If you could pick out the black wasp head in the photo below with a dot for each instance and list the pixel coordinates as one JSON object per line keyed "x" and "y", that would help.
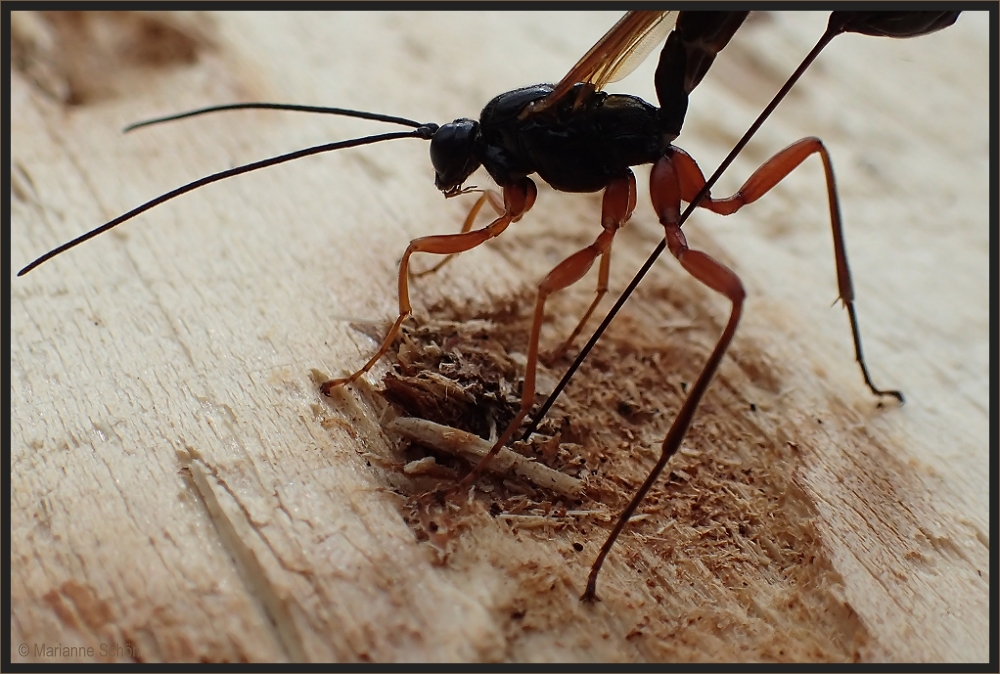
{"x": 453, "y": 154}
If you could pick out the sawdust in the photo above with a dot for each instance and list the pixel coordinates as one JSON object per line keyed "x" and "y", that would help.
{"x": 724, "y": 543}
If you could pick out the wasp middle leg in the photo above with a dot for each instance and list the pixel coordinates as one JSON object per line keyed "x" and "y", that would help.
{"x": 619, "y": 202}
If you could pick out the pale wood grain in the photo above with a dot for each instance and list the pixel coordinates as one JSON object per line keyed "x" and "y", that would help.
{"x": 178, "y": 484}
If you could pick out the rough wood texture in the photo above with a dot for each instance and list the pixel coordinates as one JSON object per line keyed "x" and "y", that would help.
{"x": 179, "y": 486}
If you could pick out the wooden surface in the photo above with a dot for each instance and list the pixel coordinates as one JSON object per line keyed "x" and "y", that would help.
{"x": 180, "y": 488}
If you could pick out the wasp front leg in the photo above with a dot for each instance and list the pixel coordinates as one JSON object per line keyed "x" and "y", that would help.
{"x": 495, "y": 200}
{"x": 517, "y": 200}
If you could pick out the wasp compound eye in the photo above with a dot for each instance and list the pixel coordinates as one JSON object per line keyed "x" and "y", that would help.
{"x": 453, "y": 153}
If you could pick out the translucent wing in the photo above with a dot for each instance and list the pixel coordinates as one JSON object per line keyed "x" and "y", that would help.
{"x": 614, "y": 56}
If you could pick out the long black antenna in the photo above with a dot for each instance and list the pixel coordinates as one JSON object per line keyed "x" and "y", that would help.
{"x": 340, "y": 112}
{"x": 422, "y": 131}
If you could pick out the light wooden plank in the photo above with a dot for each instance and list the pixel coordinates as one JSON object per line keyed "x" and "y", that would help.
{"x": 178, "y": 484}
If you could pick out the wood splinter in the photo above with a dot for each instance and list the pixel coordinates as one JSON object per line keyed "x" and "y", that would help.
{"x": 473, "y": 448}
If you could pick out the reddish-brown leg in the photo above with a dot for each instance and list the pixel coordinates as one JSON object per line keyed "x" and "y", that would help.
{"x": 763, "y": 179}
{"x": 517, "y": 199}
{"x": 619, "y": 200}
{"x": 602, "y": 285}
{"x": 495, "y": 200}
{"x": 676, "y": 177}
{"x": 666, "y": 187}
